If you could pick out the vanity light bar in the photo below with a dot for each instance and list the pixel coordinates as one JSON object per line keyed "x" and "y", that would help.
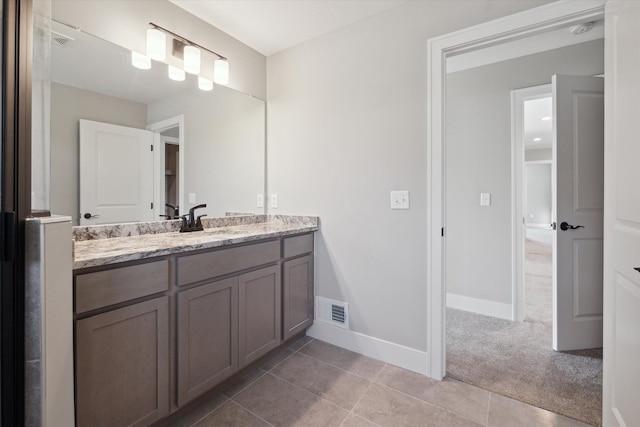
{"x": 156, "y": 49}
{"x": 186, "y": 41}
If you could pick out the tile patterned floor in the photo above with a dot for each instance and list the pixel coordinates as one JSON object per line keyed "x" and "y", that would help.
{"x": 312, "y": 383}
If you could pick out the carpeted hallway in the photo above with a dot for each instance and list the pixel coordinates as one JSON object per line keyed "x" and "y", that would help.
{"x": 516, "y": 359}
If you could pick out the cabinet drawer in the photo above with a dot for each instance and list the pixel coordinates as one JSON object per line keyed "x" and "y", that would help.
{"x": 104, "y": 288}
{"x": 298, "y": 245}
{"x": 193, "y": 268}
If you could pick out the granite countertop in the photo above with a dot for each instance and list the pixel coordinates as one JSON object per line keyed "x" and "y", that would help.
{"x": 104, "y": 245}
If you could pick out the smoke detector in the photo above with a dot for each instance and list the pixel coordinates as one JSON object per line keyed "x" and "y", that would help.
{"x": 581, "y": 29}
{"x": 61, "y": 40}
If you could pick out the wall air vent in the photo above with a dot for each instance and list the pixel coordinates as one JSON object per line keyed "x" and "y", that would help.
{"x": 333, "y": 312}
{"x": 61, "y": 40}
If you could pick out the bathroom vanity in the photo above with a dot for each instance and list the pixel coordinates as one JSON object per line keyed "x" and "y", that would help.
{"x": 162, "y": 317}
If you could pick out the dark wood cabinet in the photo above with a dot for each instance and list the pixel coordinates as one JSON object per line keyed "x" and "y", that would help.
{"x": 260, "y": 308}
{"x": 297, "y": 295}
{"x": 207, "y": 337}
{"x": 122, "y": 366}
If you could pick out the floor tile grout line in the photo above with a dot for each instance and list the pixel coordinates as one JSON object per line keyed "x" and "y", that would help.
{"x": 289, "y": 356}
{"x": 371, "y": 382}
{"x": 211, "y": 412}
{"x": 307, "y": 391}
{"x": 486, "y": 423}
{"x": 265, "y": 372}
{"x": 338, "y": 367}
{"x": 428, "y": 403}
{"x": 251, "y": 412}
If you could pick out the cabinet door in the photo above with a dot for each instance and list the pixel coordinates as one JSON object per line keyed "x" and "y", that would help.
{"x": 207, "y": 337}
{"x": 297, "y": 295}
{"x": 260, "y": 308}
{"x": 122, "y": 366}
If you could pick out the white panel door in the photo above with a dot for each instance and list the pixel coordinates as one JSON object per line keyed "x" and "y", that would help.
{"x": 621, "y": 377}
{"x": 116, "y": 174}
{"x": 579, "y": 177}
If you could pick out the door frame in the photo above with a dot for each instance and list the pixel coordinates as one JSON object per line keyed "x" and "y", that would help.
{"x": 544, "y": 18}
{"x": 15, "y": 201}
{"x": 518, "y": 193}
{"x": 158, "y": 162}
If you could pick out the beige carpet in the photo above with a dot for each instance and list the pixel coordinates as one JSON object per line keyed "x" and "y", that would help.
{"x": 516, "y": 360}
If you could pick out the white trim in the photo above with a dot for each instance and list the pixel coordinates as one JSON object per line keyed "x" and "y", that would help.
{"x": 547, "y": 17}
{"x": 518, "y": 192}
{"x": 535, "y": 225}
{"x": 158, "y": 162}
{"x": 480, "y": 306}
{"x": 395, "y": 354}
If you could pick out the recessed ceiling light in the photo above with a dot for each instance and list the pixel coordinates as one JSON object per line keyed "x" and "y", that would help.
{"x": 546, "y": 118}
{"x": 537, "y": 139}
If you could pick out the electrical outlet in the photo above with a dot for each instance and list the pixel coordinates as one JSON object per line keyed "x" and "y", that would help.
{"x": 485, "y": 199}
{"x": 399, "y": 200}
{"x": 192, "y": 197}
{"x": 274, "y": 201}
{"x": 261, "y": 200}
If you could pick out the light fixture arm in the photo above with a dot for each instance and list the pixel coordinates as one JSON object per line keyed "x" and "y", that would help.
{"x": 186, "y": 41}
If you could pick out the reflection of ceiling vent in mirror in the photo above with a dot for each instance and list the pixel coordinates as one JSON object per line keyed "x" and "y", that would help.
{"x": 61, "y": 40}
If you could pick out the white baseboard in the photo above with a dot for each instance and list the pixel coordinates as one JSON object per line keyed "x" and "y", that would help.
{"x": 480, "y": 306}
{"x": 395, "y": 354}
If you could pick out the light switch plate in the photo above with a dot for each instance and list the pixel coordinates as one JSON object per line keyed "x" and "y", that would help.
{"x": 274, "y": 201}
{"x": 192, "y": 197}
{"x": 399, "y": 200}
{"x": 261, "y": 200}
{"x": 485, "y": 199}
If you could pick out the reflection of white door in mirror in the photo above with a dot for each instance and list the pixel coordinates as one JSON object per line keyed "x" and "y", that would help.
{"x": 116, "y": 174}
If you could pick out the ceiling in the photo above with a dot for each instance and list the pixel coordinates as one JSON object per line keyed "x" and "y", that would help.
{"x": 275, "y": 25}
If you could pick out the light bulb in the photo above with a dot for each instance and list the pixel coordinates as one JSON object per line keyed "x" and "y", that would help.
{"x": 176, "y": 73}
{"x": 138, "y": 60}
{"x": 192, "y": 59}
{"x": 221, "y": 72}
{"x": 156, "y": 44}
{"x": 204, "y": 84}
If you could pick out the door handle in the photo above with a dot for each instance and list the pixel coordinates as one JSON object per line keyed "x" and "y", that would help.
{"x": 565, "y": 226}
{"x": 89, "y": 216}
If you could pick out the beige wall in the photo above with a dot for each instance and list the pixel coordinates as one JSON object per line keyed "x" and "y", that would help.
{"x": 68, "y": 105}
{"x": 347, "y": 124}
{"x": 125, "y": 23}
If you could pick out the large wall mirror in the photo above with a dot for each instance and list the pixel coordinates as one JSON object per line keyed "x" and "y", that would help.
{"x": 208, "y": 146}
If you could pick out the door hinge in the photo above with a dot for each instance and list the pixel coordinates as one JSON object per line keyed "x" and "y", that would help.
{"x": 442, "y": 232}
{"x": 151, "y": 205}
{"x": 8, "y": 232}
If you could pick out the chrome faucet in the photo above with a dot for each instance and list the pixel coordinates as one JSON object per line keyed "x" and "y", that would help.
{"x": 191, "y": 223}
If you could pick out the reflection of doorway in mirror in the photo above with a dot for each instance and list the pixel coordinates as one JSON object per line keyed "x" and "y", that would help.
{"x": 168, "y": 167}
{"x": 172, "y": 167}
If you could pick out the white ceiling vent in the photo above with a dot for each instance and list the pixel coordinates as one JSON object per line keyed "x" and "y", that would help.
{"x": 61, "y": 40}
{"x": 332, "y": 312}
